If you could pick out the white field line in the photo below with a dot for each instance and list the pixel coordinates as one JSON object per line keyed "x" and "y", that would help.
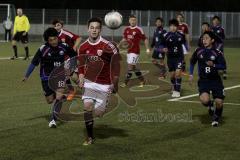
{"x": 185, "y": 101}
{"x": 194, "y": 95}
{"x": 8, "y": 58}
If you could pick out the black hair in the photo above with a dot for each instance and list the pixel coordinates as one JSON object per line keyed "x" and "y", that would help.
{"x": 211, "y": 34}
{"x": 206, "y": 23}
{"x": 216, "y": 17}
{"x": 50, "y": 32}
{"x": 55, "y": 21}
{"x": 173, "y": 22}
{"x": 132, "y": 16}
{"x": 95, "y": 19}
{"x": 180, "y": 14}
{"x": 160, "y": 19}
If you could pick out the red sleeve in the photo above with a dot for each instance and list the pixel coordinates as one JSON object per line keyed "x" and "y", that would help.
{"x": 81, "y": 60}
{"x": 186, "y": 31}
{"x": 125, "y": 33}
{"x": 142, "y": 34}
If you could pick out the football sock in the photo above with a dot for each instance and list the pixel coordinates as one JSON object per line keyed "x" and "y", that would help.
{"x": 139, "y": 75}
{"x": 178, "y": 84}
{"x": 88, "y": 118}
{"x": 15, "y": 51}
{"x": 173, "y": 81}
{"x": 128, "y": 76}
{"x": 56, "y": 109}
{"x": 27, "y": 51}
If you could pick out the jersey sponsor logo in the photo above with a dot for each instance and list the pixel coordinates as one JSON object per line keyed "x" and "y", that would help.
{"x": 61, "y": 53}
{"x": 213, "y": 58}
{"x": 99, "y": 52}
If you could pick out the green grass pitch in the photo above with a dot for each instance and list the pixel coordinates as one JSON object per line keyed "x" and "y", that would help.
{"x": 24, "y": 132}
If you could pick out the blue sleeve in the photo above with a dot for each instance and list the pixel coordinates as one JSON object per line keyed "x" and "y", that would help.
{"x": 30, "y": 69}
{"x": 191, "y": 69}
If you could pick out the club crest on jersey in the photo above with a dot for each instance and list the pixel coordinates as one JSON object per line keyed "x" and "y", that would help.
{"x": 49, "y": 54}
{"x": 87, "y": 52}
{"x": 201, "y": 56}
{"x": 99, "y": 52}
{"x": 61, "y": 53}
{"x": 134, "y": 33}
{"x": 212, "y": 57}
{"x": 179, "y": 39}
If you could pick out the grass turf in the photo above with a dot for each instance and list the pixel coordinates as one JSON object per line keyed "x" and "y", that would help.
{"x": 24, "y": 133}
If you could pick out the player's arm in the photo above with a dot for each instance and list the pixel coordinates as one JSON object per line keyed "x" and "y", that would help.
{"x": 220, "y": 62}
{"x": 187, "y": 38}
{"x": 81, "y": 67}
{"x": 115, "y": 69}
{"x": 27, "y": 26}
{"x": 193, "y": 61}
{"x": 35, "y": 62}
{"x": 14, "y": 26}
{"x": 146, "y": 43}
{"x": 77, "y": 43}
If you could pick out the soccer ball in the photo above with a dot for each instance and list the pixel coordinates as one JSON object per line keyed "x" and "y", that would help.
{"x": 113, "y": 20}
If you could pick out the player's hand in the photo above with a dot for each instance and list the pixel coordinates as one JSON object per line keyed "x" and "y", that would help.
{"x": 148, "y": 51}
{"x": 24, "y": 33}
{"x": 75, "y": 48}
{"x": 24, "y": 79}
{"x": 190, "y": 80}
{"x": 210, "y": 63}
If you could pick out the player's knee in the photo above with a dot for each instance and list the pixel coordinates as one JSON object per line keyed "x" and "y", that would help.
{"x": 178, "y": 73}
{"x": 204, "y": 100}
{"x": 219, "y": 103}
{"x": 88, "y": 105}
{"x": 50, "y": 99}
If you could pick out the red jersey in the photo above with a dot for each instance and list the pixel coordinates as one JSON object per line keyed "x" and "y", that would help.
{"x": 183, "y": 28}
{"x": 96, "y": 61}
{"x": 134, "y": 35}
{"x": 67, "y": 37}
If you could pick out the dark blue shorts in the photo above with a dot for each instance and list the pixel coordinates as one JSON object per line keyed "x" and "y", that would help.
{"x": 174, "y": 63}
{"x": 211, "y": 86}
{"x": 46, "y": 89}
{"x": 158, "y": 55}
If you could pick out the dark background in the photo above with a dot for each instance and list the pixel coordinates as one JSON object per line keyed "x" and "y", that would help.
{"x": 194, "y": 5}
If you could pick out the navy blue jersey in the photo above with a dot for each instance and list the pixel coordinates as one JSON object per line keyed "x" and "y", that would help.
{"x": 158, "y": 38}
{"x": 218, "y": 31}
{"x": 202, "y": 56}
{"x": 175, "y": 43}
{"x": 51, "y": 57}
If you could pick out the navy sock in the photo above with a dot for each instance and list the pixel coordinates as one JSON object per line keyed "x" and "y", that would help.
{"x": 173, "y": 81}
{"x": 178, "y": 84}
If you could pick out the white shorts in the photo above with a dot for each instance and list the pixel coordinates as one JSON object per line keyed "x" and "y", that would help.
{"x": 132, "y": 58}
{"x": 96, "y": 93}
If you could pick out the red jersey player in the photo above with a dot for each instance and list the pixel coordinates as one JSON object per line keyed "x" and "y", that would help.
{"x": 99, "y": 69}
{"x": 65, "y": 36}
{"x": 183, "y": 28}
{"x": 73, "y": 41}
{"x": 133, "y": 35}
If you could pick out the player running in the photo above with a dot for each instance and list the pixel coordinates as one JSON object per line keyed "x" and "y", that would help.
{"x": 73, "y": 41}
{"x": 51, "y": 55}
{"x": 184, "y": 29}
{"x": 218, "y": 30}
{"x": 210, "y": 61}
{"x": 174, "y": 46}
{"x": 133, "y": 35}
{"x": 20, "y": 33}
{"x": 157, "y": 45}
{"x": 99, "y": 69}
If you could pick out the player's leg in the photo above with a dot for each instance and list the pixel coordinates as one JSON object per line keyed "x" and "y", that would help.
{"x": 14, "y": 45}
{"x": 178, "y": 82}
{"x": 218, "y": 95}
{"x": 163, "y": 69}
{"x": 139, "y": 75}
{"x": 24, "y": 40}
{"x": 128, "y": 75}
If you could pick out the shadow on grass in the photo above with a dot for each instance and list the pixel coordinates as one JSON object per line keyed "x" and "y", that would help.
{"x": 206, "y": 119}
{"x": 106, "y": 131}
